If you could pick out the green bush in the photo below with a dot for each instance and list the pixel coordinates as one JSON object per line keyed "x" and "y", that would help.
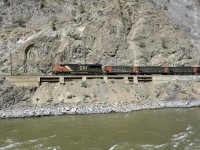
{"x": 21, "y": 22}
{"x": 142, "y": 44}
{"x": 70, "y": 96}
{"x": 84, "y": 84}
{"x": 86, "y": 96}
{"x": 165, "y": 7}
{"x": 82, "y": 9}
{"x": 164, "y": 43}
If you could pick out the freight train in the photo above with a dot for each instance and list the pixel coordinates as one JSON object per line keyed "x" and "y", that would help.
{"x": 98, "y": 69}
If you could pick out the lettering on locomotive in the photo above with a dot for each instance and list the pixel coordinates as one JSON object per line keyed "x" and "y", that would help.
{"x": 83, "y": 68}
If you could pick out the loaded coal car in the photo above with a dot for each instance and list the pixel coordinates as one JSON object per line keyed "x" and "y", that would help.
{"x": 184, "y": 70}
{"x": 64, "y": 69}
{"x": 148, "y": 70}
{"x": 118, "y": 70}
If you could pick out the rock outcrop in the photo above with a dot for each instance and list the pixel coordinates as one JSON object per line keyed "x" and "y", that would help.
{"x": 11, "y": 95}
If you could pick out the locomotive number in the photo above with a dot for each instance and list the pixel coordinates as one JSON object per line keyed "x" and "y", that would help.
{"x": 83, "y": 67}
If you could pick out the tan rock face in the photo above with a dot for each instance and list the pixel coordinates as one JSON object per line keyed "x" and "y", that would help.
{"x": 115, "y": 92}
{"x": 42, "y": 33}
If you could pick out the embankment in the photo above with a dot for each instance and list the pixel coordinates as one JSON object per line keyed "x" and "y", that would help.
{"x": 95, "y": 96}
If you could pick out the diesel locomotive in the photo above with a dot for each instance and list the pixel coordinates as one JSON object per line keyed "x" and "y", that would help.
{"x": 64, "y": 69}
{"x": 98, "y": 69}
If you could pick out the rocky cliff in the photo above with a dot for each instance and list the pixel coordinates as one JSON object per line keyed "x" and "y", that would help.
{"x": 36, "y": 34}
{"x": 40, "y": 33}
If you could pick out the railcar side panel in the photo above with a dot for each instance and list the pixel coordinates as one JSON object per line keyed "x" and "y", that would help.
{"x": 118, "y": 69}
{"x": 151, "y": 70}
{"x": 181, "y": 70}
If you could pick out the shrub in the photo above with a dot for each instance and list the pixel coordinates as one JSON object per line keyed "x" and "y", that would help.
{"x": 164, "y": 43}
{"x": 142, "y": 44}
{"x": 103, "y": 82}
{"x": 165, "y": 7}
{"x": 53, "y": 26}
{"x": 86, "y": 96}
{"x": 70, "y": 96}
{"x": 84, "y": 84}
{"x": 82, "y": 8}
{"x": 21, "y": 22}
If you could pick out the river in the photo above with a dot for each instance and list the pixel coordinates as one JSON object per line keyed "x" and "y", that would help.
{"x": 165, "y": 129}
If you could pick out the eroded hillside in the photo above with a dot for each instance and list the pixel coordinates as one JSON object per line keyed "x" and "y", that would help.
{"x": 39, "y": 33}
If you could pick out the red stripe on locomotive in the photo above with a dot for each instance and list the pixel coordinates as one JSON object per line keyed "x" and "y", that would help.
{"x": 59, "y": 68}
{"x": 108, "y": 68}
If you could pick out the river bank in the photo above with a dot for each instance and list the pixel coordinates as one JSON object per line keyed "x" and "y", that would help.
{"x": 95, "y": 97}
{"x": 90, "y": 108}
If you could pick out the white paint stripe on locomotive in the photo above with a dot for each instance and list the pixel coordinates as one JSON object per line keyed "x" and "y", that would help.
{"x": 68, "y": 68}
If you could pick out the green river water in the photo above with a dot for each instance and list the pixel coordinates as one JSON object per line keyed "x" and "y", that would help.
{"x": 167, "y": 129}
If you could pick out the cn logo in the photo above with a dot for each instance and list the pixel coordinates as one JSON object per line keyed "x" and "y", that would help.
{"x": 83, "y": 67}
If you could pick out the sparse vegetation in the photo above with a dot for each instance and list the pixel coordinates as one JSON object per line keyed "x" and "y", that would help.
{"x": 142, "y": 44}
{"x": 18, "y": 74}
{"x": 74, "y": 2}
{"x": 82, "y": 9}
{"x": 84, "y": 84}
{"x": 57, "y": 1}
{"x": 70, "y": 96}
{"x": 165, "y": 7}
{"x": 114, "y": 91}
{"x": 85, "y": 96}
{"x": 53, "y": 26}
{"x": 21, "y": 22}
{"x": 164, "y": 43}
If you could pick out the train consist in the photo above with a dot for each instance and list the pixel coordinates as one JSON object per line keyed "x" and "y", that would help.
{"x": 98, "y": 69}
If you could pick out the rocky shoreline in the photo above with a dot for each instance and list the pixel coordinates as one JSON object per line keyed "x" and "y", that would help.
{"x": 90, "y": 108}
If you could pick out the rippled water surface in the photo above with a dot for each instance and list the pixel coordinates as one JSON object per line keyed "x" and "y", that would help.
{"x": 145, "y": 130}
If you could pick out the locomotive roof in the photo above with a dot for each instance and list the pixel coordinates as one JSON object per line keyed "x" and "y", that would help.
{"x": 82, "y": 64}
